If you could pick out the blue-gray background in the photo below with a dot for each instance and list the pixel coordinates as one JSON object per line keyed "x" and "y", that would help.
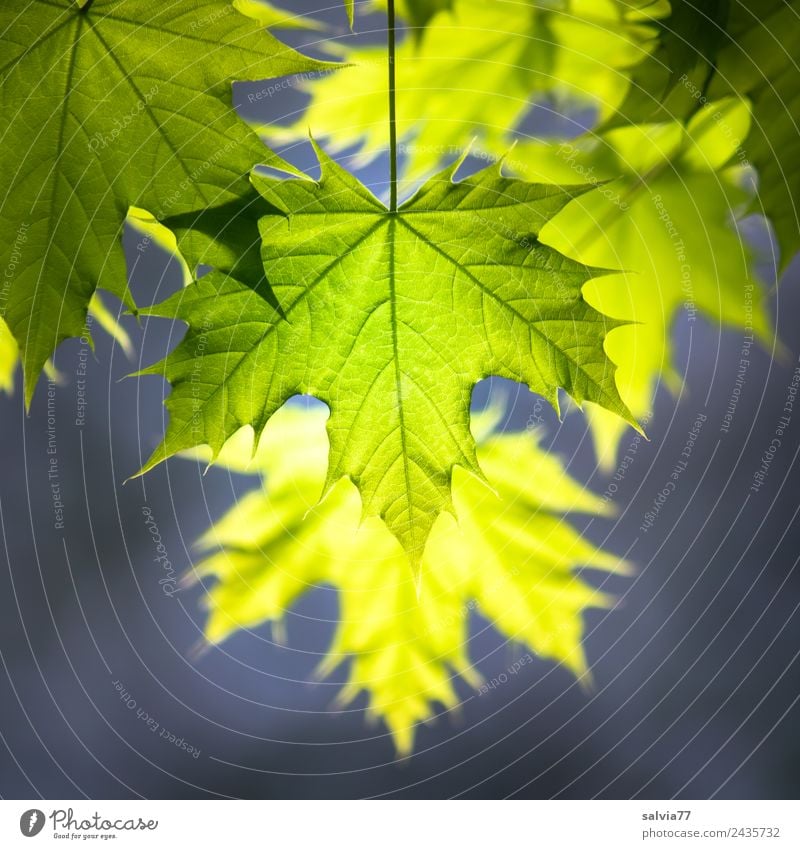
{"x": 696, "y": 670}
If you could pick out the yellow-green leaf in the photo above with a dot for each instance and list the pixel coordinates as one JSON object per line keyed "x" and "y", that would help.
{"x": 474, "y": 72}
{"x": 667, "y": 216}
{"x": 512, "y": 558}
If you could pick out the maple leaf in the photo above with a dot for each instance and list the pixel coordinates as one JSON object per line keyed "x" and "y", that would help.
{"x": 390, "y": 319}
{"x": 105, "y": 104}
{"x": 511, "y": 557}
{"x": 669, "y": 217}
{"x": 671, "y": 83}
{"x": 473, "y": 72}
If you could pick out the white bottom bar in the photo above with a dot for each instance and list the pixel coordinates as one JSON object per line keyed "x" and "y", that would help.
{"x": 401, "y": 824}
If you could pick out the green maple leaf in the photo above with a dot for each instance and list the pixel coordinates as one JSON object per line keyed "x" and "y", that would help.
{"x": 391, "y": 319}
{"x": 104, "y": 105}
{"x": 473, "y": 71}
{"x": 511, "y": 557}
{"x": 668, "y": 216}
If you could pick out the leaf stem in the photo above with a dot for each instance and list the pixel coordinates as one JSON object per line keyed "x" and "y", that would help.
{"x": 392, "y": 111}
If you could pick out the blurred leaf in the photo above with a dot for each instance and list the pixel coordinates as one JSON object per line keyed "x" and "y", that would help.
{"x": 669, "y": 216}
{"x": 474, "y": 72}
{"x": 391, "y": 319}
{"x": 746, "y": 49}
{"x": 418, "y": 13}
{"x": 694, "y": 33}
{"x": 511, "y": 557}
{"x": 669, "y": 84}
{"x": 9, "y": 357}
{"x": 109, "y": 322}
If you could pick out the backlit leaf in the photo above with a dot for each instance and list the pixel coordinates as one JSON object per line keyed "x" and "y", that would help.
{"x": 390, "y": 319}
{"x": 669, "y": 217}
{"x": 511, "y": 558}
{"x": 475, "y": 71}
{"x": 104, "y": 105}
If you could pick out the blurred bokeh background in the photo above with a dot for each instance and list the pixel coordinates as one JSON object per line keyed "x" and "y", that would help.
{"x": 695, "y": 669}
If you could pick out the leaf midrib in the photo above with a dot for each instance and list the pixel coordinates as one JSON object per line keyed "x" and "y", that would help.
{"x": 398, "y": 375}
